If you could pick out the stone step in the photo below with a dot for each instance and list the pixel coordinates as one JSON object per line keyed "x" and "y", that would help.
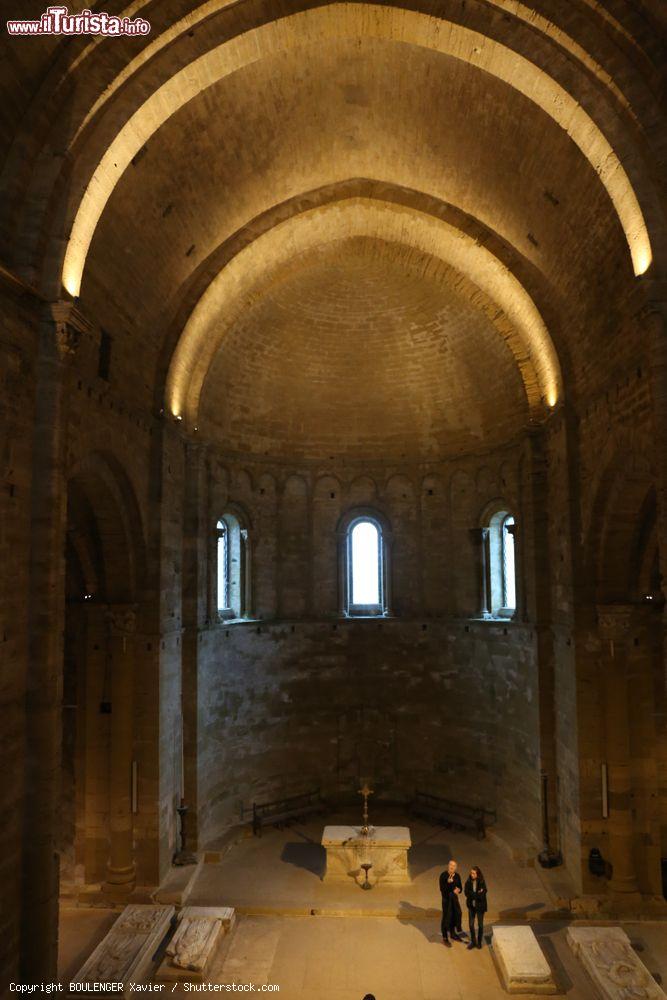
{"x": 177, "y": 885}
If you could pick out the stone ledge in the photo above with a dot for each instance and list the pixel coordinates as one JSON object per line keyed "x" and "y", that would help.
{"x": 177, "y": 885}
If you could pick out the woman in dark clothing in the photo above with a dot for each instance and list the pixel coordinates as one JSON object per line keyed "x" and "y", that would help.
{"x": 475, "y": 892}
{"x": 450, "y": 890}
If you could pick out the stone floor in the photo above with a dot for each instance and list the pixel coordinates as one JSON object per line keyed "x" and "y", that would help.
{"x": 81, "y": 930}
{"x": 339, "y": 958}
{"x": 332, "y": 942}
{"x": 280, "y": 873}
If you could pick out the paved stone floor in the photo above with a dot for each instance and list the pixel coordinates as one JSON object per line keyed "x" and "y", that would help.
{"x": 280, "y": 873}
{"x": 343, "y": 958}
{"x": 332, "y": 942}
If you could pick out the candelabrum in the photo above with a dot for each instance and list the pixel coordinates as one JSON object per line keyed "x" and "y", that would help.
{"x": 183, "y": 856}
{"x": 365, "y": 828}
{"x": 366, "y": 865}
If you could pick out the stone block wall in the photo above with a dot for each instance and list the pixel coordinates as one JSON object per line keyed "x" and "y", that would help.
{"x": 447, "y": 707}
{"x": 429, "y": 698}
{"x": 18, "y": 337}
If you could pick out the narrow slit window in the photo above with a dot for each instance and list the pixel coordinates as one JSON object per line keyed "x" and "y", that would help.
{"x": 365, "y": 568}
{"x": 365, "y": 564}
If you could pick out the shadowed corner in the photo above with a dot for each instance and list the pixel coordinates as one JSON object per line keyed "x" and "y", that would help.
{"x": 309, "y": 856}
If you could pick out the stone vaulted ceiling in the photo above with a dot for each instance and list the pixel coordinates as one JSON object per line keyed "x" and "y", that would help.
{"x": 402, "y": 225}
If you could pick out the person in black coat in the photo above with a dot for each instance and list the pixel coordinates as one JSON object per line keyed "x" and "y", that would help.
{"x": 450, "y": 890}
{"x": 475, "y": 893}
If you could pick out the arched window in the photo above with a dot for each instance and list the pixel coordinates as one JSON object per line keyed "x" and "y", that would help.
{"x": 500, "y": 569}
{"x": 508, "y": 563}
{"x": 232, "y": 568}
{"x": 365, "y": 567}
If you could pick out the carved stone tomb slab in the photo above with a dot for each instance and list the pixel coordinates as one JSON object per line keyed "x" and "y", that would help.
{"x": 193, "y": 946}
{"x": 614, "y": 967}
{"x": 126, "y": 953}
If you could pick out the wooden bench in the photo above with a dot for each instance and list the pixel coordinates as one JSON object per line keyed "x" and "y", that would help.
{"x": 452, "y": 814}
{"x": 283, "y": 810}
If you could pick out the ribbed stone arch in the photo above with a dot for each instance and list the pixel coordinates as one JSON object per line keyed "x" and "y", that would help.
{"x": 202, "y": 12}
{"x": 317, "y": 26}
{"x": 227, "y": 295}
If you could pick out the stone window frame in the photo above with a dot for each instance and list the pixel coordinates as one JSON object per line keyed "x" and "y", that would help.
{"x": 239, "y": 566}
{"x": 344, "y": 531}
{"x": 493, "y": 580}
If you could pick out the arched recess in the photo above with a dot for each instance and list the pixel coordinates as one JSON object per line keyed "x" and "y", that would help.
{"x": 229, "y": 293}
{"x": 316, "y": 26}
{"x": 622, "y": 542}
{"x": 630, "y": 681}
{"x": 104, "y": 577}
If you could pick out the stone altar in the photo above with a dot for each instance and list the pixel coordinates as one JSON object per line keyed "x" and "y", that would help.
{"x": 520, "y": 961}
{"x": 194, "y": 944}
{"x": 386, "y": 847}
{"x": 612, "y": 964}
{"x": 126, "y": 953}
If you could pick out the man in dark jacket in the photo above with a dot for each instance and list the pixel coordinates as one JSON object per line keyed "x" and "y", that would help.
{"x": 450, "y": 890}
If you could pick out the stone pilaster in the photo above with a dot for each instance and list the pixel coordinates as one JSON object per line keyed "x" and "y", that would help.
{"x": 534, "y": 602}
{"x": 614, "y": 628}
{"x": 121, "y": 624}
{"x": 58, "y": 341}
{"x": 654, "y": 317}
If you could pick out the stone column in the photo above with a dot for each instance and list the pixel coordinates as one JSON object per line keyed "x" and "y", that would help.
{"x": 121, "y": 626}
{"x": 480, "y": 541}
{"x": 654, "y": 317}
{"x": 642, "y": 654}
{"x": 58, "y": 341}
{"x": 534, "y": 603}
{"x": 199, "y": 547}
{"x": 613, "y": 626}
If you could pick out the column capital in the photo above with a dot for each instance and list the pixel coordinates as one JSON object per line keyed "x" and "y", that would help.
{"x": 652, "y": 304}
{"x": 69, "y": 325}
{"x": 614, "y": 620}
{"x": 121, "y": 620}
{"x": 477, "y": 535}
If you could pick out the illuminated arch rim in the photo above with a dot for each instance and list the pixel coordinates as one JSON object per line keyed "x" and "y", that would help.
{"x": 317, "y": 26}
{"x": 209, "y": 8}
{"x": 229, "y": 293}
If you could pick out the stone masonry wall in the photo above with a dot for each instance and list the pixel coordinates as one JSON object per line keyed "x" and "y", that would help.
{"x": 18, "y": 333}
{"x": 450, "y": 708}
